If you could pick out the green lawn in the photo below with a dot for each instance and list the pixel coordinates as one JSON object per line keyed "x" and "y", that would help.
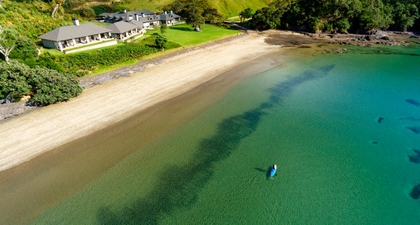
{"x": 184, "y": 35}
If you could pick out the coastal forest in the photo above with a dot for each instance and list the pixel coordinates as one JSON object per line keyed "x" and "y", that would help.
{"x": 342, "y": 16}
{"x": 49, "y": 76}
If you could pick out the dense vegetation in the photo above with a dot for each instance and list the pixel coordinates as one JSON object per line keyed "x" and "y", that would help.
{"x": 359, "y": 16}
{"x": 45, "y": 86}
{"x": 83, "y": 63}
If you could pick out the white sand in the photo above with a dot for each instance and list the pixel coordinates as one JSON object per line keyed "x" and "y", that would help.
{"x": 32, "y": 134}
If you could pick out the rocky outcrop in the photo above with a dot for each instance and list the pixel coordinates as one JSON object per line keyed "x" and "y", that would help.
{"x": 10, "y": 109}
{"x": 381, "y": 38}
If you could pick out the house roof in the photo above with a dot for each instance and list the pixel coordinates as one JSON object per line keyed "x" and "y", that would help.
{"x": 138, "y": 24}
{"x": 125, "y": 15}
{"x": 144, "y": 16}
{"x": 169, "y": 16}
{"x": 70, "y": 32}
{"x": 121, "y": 27}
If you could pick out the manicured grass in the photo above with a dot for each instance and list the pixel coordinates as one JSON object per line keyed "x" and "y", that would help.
{"x": 184, "y": 35}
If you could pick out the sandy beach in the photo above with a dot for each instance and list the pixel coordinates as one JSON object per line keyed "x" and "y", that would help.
{"x": 32, "y": 134}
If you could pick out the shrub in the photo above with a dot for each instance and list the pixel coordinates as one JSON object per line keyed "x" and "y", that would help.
{"x": 13, "y": 83}
{"x": 51, "y": 86}
{"x": 45, "y": 85}
{"x": 88, "y": 12}
{"x": 24, "y": 49}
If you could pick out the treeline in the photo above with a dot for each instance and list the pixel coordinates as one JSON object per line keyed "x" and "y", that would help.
{"x": 355, "y": 16}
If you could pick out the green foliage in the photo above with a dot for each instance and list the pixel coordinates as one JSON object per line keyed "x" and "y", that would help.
{"x": 405, "y": 15}
{"x": 44, "y": 85}
{"x": 100, "y": 9}
{"x": 13, "y": 84}
{"x": 160, "y": 42}
{"x": 211, "y": 15}
{"x": 85, "y": 62}
{"x": 30, "y": 20}
{"x": 269, "y": 17}
{"x": 245, "y": 14}
{"x": 50, "y": 86}
{"x": 88, "y": 12}
{"x": 195, "y": 12}
{"x": 337, "y": 15}
{"x": 163, "y": 29}
{"x": 375, "y": 15}
{"x": 25, "y": 49}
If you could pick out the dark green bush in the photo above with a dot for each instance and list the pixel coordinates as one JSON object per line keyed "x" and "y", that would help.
{"x": 13, "y": 83}
{"x": 46, "y": 86}
{"x": 50, "y": 86}
{"x": 24, "y": 49}
{"x": 81, "y": 64}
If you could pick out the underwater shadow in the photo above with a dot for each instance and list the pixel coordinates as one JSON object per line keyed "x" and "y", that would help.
{"x": 178, "y": 186}
{"x": 415, "y": 193}
{"x": 413, "y": 102}
{"x": 415, "y": 158}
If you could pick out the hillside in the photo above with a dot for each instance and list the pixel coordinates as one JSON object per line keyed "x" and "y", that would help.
{"x": 30, "y": 19}
{"x": 227, "y": 8}
{"x": 26, "y": 16}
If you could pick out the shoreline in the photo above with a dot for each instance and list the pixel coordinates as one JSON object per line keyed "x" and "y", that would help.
{"x": 32, "y": 134}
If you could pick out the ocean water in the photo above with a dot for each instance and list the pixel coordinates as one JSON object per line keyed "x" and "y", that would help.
{"x": 343, "y": 129}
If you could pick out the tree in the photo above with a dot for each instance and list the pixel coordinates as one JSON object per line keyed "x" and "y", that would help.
{"x": 211, "y": 15}
{"x": 265, "y": 18}
{"x": 194, "y": 16}
{"x": 375, "y": 15}
{"x": 57, "y": 5}
{"x": 50, "y": 86}
{"x": 245, "y": 14}
{"x": 88, "y": 12}
{"x": 160, "y": 42}
{"x": 320, "y": 16}
{"x": 195, "y": 12}
{"x": 405, "y": 15}
{"x": 270, "y": 17}
{"x": 7, "y": 42}
{"x": 163, "y": 28}
{"x": 25, "y": 49}
{"x": 45, "y": 86}
{"x": 13, "y": 84}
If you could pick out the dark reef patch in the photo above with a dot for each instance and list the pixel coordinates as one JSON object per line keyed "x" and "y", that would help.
{"x": 410, "y": 118}
{"x": 178, "y": 186}
{"x": 415, "y": 193}
{"x": 415, "y": 158}
{"x": 414, "y": 129}
{"x": 413, "y": 102}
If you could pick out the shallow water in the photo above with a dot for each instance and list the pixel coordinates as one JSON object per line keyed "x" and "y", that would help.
{"x": 342, "y": 130}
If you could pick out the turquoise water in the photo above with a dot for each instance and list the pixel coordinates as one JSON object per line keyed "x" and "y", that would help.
{"x": 344, "y": 131}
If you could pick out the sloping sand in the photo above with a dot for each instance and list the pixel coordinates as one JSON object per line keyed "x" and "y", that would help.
{"x": 30, "y": 135}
